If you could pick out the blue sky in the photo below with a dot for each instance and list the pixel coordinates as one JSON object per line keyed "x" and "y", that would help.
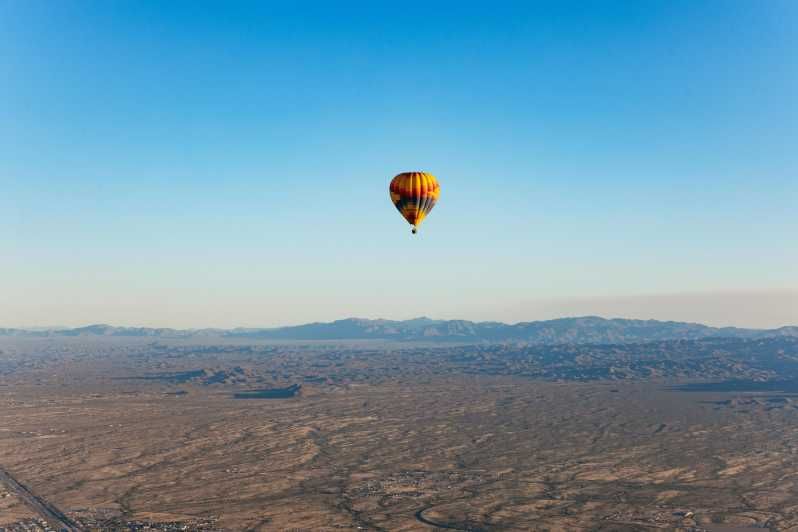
{"x": 227, "y": 163}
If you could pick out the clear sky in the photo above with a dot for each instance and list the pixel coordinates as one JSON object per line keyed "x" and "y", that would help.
{"x": 222, "y": 164}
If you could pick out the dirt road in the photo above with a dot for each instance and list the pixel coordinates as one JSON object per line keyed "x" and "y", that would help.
{"x": 52, "y": 515}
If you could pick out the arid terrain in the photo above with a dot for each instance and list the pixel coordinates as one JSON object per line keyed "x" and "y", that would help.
{"x": 122, "y": 433}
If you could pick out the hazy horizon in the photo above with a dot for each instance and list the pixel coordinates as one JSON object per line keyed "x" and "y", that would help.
{"x": 760, "y": 310}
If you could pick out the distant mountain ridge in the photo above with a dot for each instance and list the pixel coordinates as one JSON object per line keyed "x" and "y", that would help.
{"x": 578, "y": 330}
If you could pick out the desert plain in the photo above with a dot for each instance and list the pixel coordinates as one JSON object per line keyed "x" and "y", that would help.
{"x": 134, "y": 433}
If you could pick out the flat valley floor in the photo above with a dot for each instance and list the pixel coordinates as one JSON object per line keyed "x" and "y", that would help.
{"x": 97, "y": 431}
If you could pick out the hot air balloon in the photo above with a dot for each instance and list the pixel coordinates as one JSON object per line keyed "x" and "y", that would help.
{"x": 414, "y": 194}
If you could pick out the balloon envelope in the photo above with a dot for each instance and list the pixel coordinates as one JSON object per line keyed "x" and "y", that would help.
{"x": 414, "y": 194}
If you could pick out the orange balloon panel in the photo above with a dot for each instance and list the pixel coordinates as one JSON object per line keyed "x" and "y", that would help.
{"x": 414, "y": 194}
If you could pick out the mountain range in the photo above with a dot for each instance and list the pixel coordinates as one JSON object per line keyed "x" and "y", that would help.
{"x": 579, "y": 330}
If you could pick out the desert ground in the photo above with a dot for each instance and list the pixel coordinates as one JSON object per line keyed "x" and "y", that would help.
{"x": 124, "y": 433}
